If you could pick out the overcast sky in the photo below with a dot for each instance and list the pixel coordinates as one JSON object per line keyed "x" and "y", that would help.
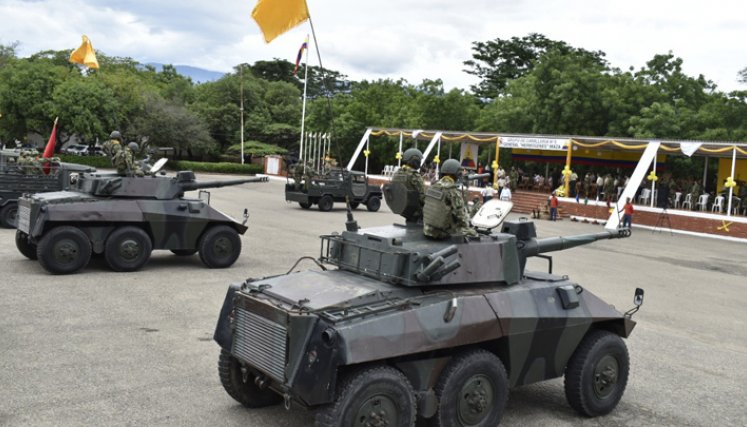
{"x": 411, "y": 39}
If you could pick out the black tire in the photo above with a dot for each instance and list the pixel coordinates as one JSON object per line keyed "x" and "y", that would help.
{"x": 472, "y": 391}
{"x": 25, "y": 247}
{"x": 326, "y": 203}
{"x": 381, "y": 391}
{"x": 9, "y": 215}
{"x": 184, "y": 252}
{"x": 373, "y": 204}
{"x": 354, "y": 205}
{"x": 127, "y": 248}
{"x": 597, "y": 373}
{"x": 304, "y": 205}
{"x": 219, "y": 246}
{"x": 244, "y": 392}
{"x": 64, "y": 250}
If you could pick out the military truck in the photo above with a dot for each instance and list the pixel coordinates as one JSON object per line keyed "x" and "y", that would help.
{"x": 404, "y": 327}
{"x": 125, "y": 218}
{"x": 17, "y": 179}
{"x": 334, "y": 186}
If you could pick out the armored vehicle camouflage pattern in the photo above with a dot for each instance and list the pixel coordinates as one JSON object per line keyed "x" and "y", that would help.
{"x": 334, "y": 186}
{"x": 17, "y": 179}
{"x": 408, "y": 327}
{"x": 125, "y": 218}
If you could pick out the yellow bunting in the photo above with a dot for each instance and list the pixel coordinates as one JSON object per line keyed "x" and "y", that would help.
{"x": 398, "y": 156}
{"x": 652, "y": 176}
{"x": 730, "y": 182}
{"x": 567, "y": 171}
{"x": 436, "y": 160}
{"x": 725, "y": 226}
{"x": 494, "y": 165}
{"x": 560, "y": 191}
{"x": 366, "y": 152}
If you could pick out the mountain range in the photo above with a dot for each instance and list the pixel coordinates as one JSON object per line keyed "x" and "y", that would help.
{"x": 198, "y": 75}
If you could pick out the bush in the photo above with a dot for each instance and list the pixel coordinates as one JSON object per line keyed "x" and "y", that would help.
{"x": 102, "y": 162}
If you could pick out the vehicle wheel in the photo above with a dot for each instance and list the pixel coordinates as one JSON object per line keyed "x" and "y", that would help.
{"x": 326, "y": 203}
{"x": 219, "y": 246}
{"x": 354, "y": 205}
{"x": 597, "y": 373}
{"x": 377, "y": 396}
{"x": 127, "y": 249}
{"x": 241, "y": 387}
{"x": 472, "y": 391}
{"x": 25, "y": 247}
{"x": 9, "y": 215}
{"x": 373, "y": 204}
{"x": 184, "y": 252}
{"x": 64, "y": 250}
{"x": 304, "y": 205}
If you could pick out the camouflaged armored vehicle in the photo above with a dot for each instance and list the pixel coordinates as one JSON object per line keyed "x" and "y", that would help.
{"x": 335, "y": 186}
{"x": 406, "y": 327}
{"x": 125, "y": 218}
{"x": 15, "y": 180}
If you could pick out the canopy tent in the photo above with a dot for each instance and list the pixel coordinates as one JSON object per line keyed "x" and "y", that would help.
{"x": 562, "y": 143}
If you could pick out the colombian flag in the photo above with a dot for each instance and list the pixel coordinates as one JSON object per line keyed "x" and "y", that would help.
{"x": 304, "y": 46}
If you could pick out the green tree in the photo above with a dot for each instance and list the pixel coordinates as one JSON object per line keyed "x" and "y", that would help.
{"x": 496, "y": 62}
{"x": 743, "y": 76}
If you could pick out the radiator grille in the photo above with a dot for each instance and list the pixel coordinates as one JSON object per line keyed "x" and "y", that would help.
{"x": 260, "y": 342}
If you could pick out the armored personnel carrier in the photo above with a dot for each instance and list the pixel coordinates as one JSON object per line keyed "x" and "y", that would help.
{"x": 125, "y": 218}
{"x": 335, "y": 186}
{"x": 405, "y": 327}
{"x": 16, "y": 180}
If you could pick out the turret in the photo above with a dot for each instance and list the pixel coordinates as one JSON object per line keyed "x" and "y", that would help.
{"x": 151, "y": 187}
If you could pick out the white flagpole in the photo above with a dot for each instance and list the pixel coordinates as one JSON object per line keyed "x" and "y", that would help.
{"x": 303, "y": 108}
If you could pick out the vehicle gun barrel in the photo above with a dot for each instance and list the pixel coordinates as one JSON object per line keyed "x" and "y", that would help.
{"x": 193, "y": 185}
{"x": 534, "y": 247}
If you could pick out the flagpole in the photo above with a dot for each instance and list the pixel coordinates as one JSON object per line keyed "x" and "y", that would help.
{"x": 303, "y": 108}
{"x": 241, "y": 108}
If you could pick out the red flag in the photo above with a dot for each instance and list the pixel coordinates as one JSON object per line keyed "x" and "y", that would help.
{"x": 49, "y": 149}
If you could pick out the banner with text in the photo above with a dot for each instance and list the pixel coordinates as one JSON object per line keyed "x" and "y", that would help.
{"x": 534, "y": 143}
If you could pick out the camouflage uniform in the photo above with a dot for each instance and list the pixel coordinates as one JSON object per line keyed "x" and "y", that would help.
{"x": 124, "y": 161}
{"x": 413, "y": 181}
{"x": 297, "y": 172}
{"x": 444, "y": 213}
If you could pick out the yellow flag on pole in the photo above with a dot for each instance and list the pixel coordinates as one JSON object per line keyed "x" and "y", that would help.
{"x": 275, "y": 17}
{"x": 85, "y": 55}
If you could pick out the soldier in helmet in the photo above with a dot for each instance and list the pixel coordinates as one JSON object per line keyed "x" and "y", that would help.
{"x": 444, "y": 212}
{"x": 114, "y": 143}
{"x": 409, "y": 176}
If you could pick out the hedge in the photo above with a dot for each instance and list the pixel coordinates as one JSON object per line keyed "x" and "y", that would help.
{"x": 103, "y": 162}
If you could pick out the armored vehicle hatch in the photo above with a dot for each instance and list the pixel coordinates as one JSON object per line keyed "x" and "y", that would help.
{"x": 125, "y": 218}
{"x": 403, "y": 327}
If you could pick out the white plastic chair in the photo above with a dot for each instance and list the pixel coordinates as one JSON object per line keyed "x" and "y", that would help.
{"x": 386, "y": 170}
{"x": 703, "y": 201}
{"x": 718, "y": 204}
{"x": 644, "y": 196}
{"x": 688, "y": 201}
{"x": 677, "y": 199}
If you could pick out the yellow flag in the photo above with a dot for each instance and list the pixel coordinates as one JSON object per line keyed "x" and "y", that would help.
{"x": 275, "y": 17}
{"x": 85, "y": 55}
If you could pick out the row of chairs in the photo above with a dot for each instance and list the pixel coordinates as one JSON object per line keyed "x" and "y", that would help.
{"x": 389, "y": 170}
{"x": 719, "y": 203}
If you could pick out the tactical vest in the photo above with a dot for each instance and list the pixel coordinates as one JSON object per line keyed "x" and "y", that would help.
{"x": 436, "y": 213}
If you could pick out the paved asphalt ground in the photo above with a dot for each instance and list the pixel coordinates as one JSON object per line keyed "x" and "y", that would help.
{"x": 103, "y": 348}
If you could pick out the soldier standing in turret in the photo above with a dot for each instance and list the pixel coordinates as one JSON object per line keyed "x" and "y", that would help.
{"x": 444, "y": 212}
{"x": 409, "y": 176}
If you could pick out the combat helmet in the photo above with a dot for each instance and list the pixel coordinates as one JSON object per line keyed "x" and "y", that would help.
{"x": 116, "y": 135}
{"x": 412, "y": 157}
{"x": 450, "y": 167}
{"x": 133, "y": 147}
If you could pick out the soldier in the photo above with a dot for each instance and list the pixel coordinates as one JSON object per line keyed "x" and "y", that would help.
{"x": 114, "y": 143}
{"x": 476, "y": 205}
{"x": 23, "y": 162}
{"x": 444, "y": 213}
{"x": 297, "y": 172}
{"x": 308, "y": 172}
{"x": 695, "y": 193}
{"x": 409, "y": 176}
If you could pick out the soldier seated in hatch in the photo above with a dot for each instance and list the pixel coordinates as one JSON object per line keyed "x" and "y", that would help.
{"x": 444, "y": 212}
{"x": 409, "y": 176}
